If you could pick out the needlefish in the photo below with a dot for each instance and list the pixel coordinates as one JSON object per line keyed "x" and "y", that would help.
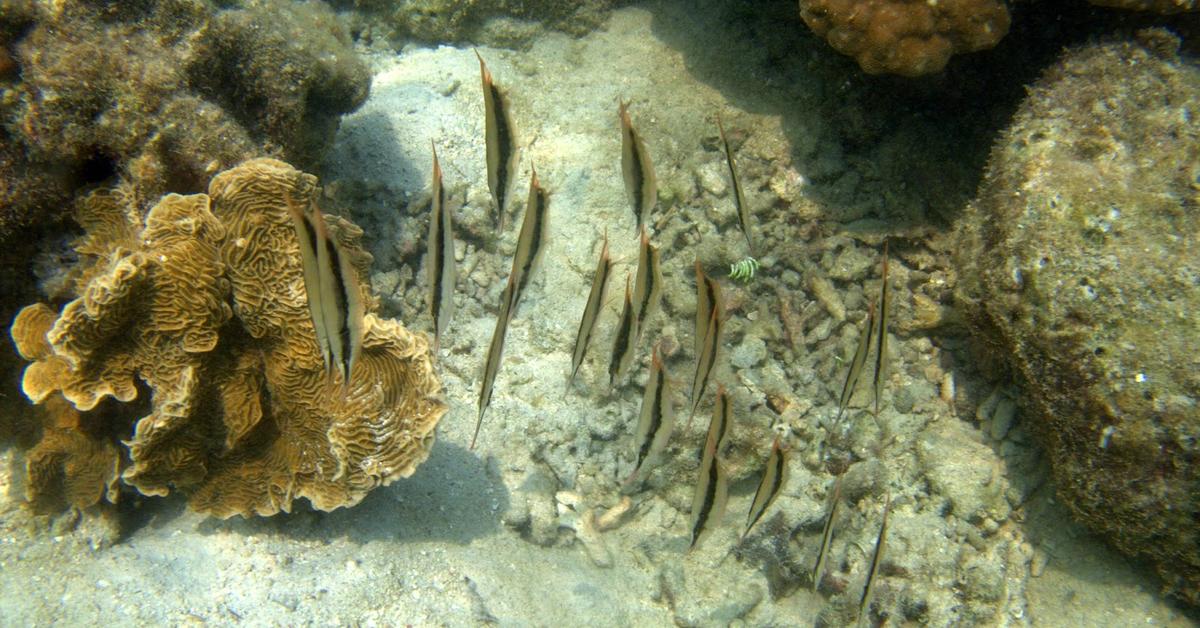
{"x": 739, "y": 198}
{"x": 591, "y": 310}
{"x": 500, "y": 139}
{"x": 530, "y": 243}
{"x": 656, "y": 420}
{"x": 333, "y": 292}
{"x": 640, "y": 184}
{"x": 440, "y": 264}
{"x": 711, "y": 493}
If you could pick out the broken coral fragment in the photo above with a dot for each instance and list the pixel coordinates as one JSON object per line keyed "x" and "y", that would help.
{"x": 196, "y": 336}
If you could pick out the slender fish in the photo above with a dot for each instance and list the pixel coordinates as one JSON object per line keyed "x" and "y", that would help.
{"x": 640, "y": 184}
{"x": 657, "y": 417}
{"x": 827, "y": 533}
{"x": 440, "y": 265}
{"x": 773, "y": 480}
{"x": 707, "y": 293}
{"x": 711, "y": 494}
{"x": 881, "y": 344}
{"x": 707, "y": 356}
{"x": 647, "y": 287}
{"x": 531, "y": 240}
{"x": 500, "y": 139}
{"x": 624, "y": 341}
{"x": 341, "y": 300}
{"x": 860, "y": 357}
{"x": 306, "y": 237}
{"x": 879, "y": 545}
{"x": 739, "y": 199}
{"x": 530, "y": 243}
{"x": 591, "y": 311}
{"x": 495, "y": 353}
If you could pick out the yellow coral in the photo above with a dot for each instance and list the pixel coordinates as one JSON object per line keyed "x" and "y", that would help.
{"x": 200, "y": 318}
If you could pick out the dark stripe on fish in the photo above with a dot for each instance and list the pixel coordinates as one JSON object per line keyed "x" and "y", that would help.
{"x": 647, "y": 288}
{"x": 722, "y": 412}
{"x": 441, "y": 258}
{"x": 881, "y": 345}
{"x": 499, "y": 139}
{"x": 656, "y": 419}
{"x": 622, "y": 351}
{"x": 739, "y": 199}
{"x": 864, "y": 603}
{"x": 707, "y": 293}
{"x": 827, "y": 533}
{"x": 638, "y": 171}
{"x": 307, "y": 241}
{"x": 494, "y": 355}
{"x": 532, "y": 238}
{"x": 591, "y": 311}
{"x": 525, "y": 260}
{"x": 708, "y": 501}
{"x": 772, "y": 482}
{"x": 707, "y": 358}
{"x": 856, "y": 364}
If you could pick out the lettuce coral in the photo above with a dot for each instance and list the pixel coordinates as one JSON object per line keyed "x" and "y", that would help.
{"x": 190, "y": 339}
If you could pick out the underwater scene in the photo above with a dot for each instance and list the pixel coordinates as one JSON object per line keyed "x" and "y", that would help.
{"x": 600, "y": 313}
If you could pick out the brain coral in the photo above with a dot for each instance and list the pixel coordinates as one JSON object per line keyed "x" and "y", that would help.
{"x": 1079, "y": 263}
{"x": 907, "y": 37}
{"x": 191, "y": 340}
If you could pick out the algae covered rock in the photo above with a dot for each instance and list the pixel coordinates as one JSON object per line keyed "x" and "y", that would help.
{"x": 188, "y": 361}
{"x": 511, "y": 23}
{"x": 1080, "y": 265}
{"x": 160, "y": 96}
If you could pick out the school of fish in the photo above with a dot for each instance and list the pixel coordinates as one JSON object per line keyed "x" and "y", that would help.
{"x": 336, "y": 310}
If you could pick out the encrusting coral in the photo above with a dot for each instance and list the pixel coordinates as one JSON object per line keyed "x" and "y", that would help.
{"x": 906, "y": 37}
{"x": 191, "y": 340}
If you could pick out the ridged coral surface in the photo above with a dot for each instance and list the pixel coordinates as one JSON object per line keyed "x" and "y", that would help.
{"x": 200, "y": 320}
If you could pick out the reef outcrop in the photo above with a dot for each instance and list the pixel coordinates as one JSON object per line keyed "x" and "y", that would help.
{"x": 906, "y": 37}
{"x": 1079, "y": 264}
{"x": 188, "y": 361}
{"x": 160, "y": 96}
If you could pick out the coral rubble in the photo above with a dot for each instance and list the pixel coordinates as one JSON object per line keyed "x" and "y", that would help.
{"x": 161, "y": 95}
{"x": 1078, "y": 263}
{"x": 190, "y": 339}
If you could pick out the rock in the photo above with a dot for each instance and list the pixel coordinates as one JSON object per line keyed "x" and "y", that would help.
{"x": 1079, "y": 269}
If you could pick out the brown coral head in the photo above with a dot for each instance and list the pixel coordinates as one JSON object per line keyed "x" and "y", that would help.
{"x": 906, "y": 37}
{"x": 191, "y": 339}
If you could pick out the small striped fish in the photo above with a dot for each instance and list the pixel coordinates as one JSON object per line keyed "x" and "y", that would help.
{"x": 656, "y": 420}
{"x": 591, "y": 310}
{"x": 773, "y": 480}
{"x": 440, "y": 263}
{"x": 640, "y": 184}
{"x": 500, "y": 140}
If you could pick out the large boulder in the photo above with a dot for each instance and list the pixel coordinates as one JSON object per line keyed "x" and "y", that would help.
{"x": 1080, "y": 265}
